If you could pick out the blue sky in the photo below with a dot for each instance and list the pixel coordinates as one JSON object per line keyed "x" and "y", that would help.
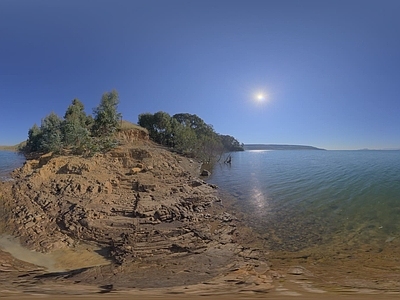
{"x": 329, "y": 70}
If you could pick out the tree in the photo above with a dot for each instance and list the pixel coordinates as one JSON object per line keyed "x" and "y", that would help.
{"x": 75, "y": 113}
{"x": 210, "y": 148}
{"x": 34, "y": 139}
{"x": 184, "y": 138}
{"x": 230, "y": 143}
{"x": 106, "y": 116}
{"x": 51, "y": 135}
{"x": 162, "y": 124}
{"x": 194, "y": 122}
{"x": 75, "y": 129}
{"x": 146, "y": 120}
{"x": 187, "y": 134}
{"x": 159, "y": 126}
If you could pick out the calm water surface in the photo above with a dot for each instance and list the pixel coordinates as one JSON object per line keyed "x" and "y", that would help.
{"x": 8, "y": 162}
{"x": 301, "y": 199}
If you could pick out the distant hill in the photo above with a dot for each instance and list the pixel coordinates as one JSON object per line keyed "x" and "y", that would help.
{"x": 278, "y": 147}
{"x": 383, "y": 149}
{"x": 13, "y": 148}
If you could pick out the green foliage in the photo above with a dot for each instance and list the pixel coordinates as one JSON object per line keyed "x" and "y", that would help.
{"x": 106, "y": 116}
{"x": 195, "y": 123}
{"x": 163, "y": 125}
{"x": 159, "y": 126}
{"x": 75, "y": 113}
{"x": 89, "y": 122}
{"x": 146, "y": 120}
{"x": 50, "y": 134}
{"x": 230, "y": 143}
{"x": 187, "y": 134}
{"x": 77, "y": 133}
{"x": 184, "y": 138}
{"x": 34, "y": 137}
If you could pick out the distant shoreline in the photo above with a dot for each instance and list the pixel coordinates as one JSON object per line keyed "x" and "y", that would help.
{"x": 8, "y": 148}
{"x": 13, "y": 148}
{"x": 278, "y": 147}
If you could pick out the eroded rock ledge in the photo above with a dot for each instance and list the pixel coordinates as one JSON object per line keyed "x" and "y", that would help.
{"x": 146, "y": 206}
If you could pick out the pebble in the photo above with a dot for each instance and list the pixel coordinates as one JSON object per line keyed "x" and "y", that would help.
{"x": 296, "y": 271}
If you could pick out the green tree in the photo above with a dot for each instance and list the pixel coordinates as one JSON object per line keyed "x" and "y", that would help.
{"x": 106, "y": 115}
{"x": 162, "y": 124}
{"x": 160, "y": 127}
{"x": 78, "y": 132}
{"x": 75, "y": 132}
{"x": 75, "y": 113}
{"x": 186, "y": 133}
{"x": 51, "y": 135}
{"x": 210, "y": 146}
{"x": 184, "y": 139}
{"x": 146, "y": 120}
{"x": 230, "y": 143}
{"x": 89, "y": 122}
{"x": 34, "y": 139}
{"x": 194, "y": 122}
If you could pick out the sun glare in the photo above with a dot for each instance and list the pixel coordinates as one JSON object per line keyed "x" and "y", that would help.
{"x": 260, "y": 97}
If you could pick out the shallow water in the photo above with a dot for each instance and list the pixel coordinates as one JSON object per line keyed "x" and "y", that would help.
{"x": 325, "y": 192}
{"x": 9, "y": 161}
{"x": 335, "y": 206}
{"x": 81, "y": 256}
{"x": 11, "y": 245}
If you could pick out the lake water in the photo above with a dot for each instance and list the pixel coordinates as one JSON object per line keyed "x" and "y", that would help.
{"x": 8, "y": 162}
{"x": 333, "y": 202}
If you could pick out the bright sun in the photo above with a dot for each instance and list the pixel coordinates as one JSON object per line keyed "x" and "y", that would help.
{"x": 260, "y": 97}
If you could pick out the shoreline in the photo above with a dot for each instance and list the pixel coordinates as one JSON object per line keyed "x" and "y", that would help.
{"x": 9, "y": 148}
{"x": 167, "y": 247}
{"x": 143, "y": 204}
{"x": 7, "y": 169}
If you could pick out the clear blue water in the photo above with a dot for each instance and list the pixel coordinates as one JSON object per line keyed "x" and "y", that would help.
{"x": 8, "y": 162}
{"x": 301, "y": 199}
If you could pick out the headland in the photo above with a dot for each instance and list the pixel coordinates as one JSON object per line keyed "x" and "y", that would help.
{"x": 139, "y": 221}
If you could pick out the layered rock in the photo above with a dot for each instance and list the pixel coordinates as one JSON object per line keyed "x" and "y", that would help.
{"x": 141, "y": 202}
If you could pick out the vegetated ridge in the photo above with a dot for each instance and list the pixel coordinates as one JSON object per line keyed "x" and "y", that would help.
{"x": 81, "y": 134}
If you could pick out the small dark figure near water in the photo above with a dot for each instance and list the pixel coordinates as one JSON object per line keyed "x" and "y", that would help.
{"x": 228, "y": 160}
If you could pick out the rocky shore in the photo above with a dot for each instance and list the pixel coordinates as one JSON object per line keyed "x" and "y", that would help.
{"x": 137, "y": 220}
{"x": 144, "y": 208}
